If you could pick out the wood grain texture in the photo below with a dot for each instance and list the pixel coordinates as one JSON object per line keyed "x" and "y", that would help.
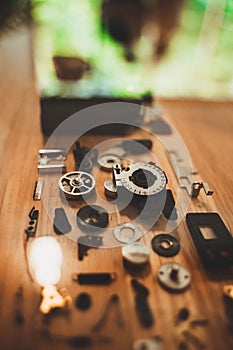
{"x": 206, "y": 128}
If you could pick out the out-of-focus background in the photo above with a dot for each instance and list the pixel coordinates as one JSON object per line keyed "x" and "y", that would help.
{"x": 173, "y": 48}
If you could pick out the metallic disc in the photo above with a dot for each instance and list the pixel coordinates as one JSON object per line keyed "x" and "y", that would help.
{"x": 154, "y": 343}
{"x": 76, "y": 183}
{"x": 136, "y": 253}
{"x": 165, "y": 245}
{"x": 121, "y": 232}
{"x": 107, "y": 161}
{"x": 174, "y": 276}
{"x": 110, "y": 188}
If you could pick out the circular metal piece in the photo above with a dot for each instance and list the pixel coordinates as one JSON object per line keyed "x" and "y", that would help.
{"x": 174, "y": 276}
{"x": 110, "y": 188}
{"x": 76, "y": 183}
{"x": 107, "y": 161}
{"x": 143, "y": 179}
{"x": 136, "y": 253}
{"x": 154, "y": 343}
{"x": 165, "y": 245}
{"x": 127, "y": 232}
{"x": 92, "y": 218}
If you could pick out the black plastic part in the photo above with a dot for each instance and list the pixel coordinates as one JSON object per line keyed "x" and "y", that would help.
{"x": 88, "y": 242}
{"x": 183, "y": 314}
{"x": 32, "y": 225}
{"x": 97, "y": 278}
{"x": 214, "y": 252}
{"x": 143, "y": 310}
{"x": 56, "y": 109}
{"x": 92, "y": 218}
{"x": 169, "y": 210}
{"x": 173, "y": 245}
{"x": 61, "y": 224}
{"x": 83, "y": 301}
{"x": 129, "y": 146}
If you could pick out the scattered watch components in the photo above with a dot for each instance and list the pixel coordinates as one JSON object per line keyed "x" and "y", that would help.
{"x": 169, "y": 210}
{"x": 83, "y": 301}
{"x": 154, "y": 343}
{"x": 165, "y": 245}
{"x": 113, "y": 302}
{"x": 218, "y": 249}
{"x": 18, "y": 303}
{"x": 76, "y": 184}
{"x": 184, "y": 176}
{"x": 121, "y": 232}
{"x": 92, "y": 218}
{"x": 86, "y": 243}
{"x": 97, "y": 278}
{"x": 143, "y": 310}
{"x": 61, "y": 224}
{"x": 136, "y": 253}
{"x": 174, "y": 276}
{"x": 38, "y": 190}
{"x": 32, "y": 225}
{"x": 110, "y": 188}
{"x": 51, "y": 159}
{"x": 185, "y": 330}
{"x": 90, "y": 155}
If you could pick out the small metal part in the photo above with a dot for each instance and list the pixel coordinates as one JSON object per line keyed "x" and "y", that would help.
{"x": 83, "y": 301}
{"x": 97, "y": 278}
{"x": 174, "y": 276}
{"x": 154, "y": 343}
{"x": 107, "y": 161}
{"x": 165, "y": 245}
{"x": 136, "y": 253}
{"x": 86, "y": 243}
{"x": 76, "y": 184}
{"x": 143, "y": 310}
{"x": 110, "y": 188}
{"x": 228, "y": 291}
{"x": 61, "y": 223}
{"x": 92, "y": 218}
{"x": 51, "y": 159}
{"x": 38, "y": 190}
{"x": 52, "y": 299}
{"x": 121, "y": 232}
{"x": 113, "y": 302}
{"x": 216, "y": 251}
{"x": 184, "y": 176}
{"x": 32, "y": 225}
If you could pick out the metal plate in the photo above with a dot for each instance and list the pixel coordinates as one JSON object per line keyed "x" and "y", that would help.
{"x": 165, "y": 245}
{"x": 120, "y": 232}
{"x": 174, "y": 276}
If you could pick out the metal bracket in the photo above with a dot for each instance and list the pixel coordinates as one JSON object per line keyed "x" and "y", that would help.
{"x": 51, "y": 159}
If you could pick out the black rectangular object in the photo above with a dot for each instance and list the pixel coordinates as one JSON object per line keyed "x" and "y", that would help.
{"x": 55, "y": 110}
{"x": 214, "y": 252}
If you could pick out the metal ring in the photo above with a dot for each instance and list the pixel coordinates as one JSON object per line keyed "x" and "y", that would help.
{"x": 76, "y": 183}
{"x": 165, "y": 245}
{"x": 118, "y": 232}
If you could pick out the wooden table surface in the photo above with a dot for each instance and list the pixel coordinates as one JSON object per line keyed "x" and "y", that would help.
{"x": 207, "y": 129}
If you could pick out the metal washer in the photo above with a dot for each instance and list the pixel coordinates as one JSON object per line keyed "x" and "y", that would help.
{"x": 174, "y": 276}
{"x": 107, "y": 161}
{"x": 154, "y": 343}
{"x": 137, "y": 232}
{"x": 173, "y": 245}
